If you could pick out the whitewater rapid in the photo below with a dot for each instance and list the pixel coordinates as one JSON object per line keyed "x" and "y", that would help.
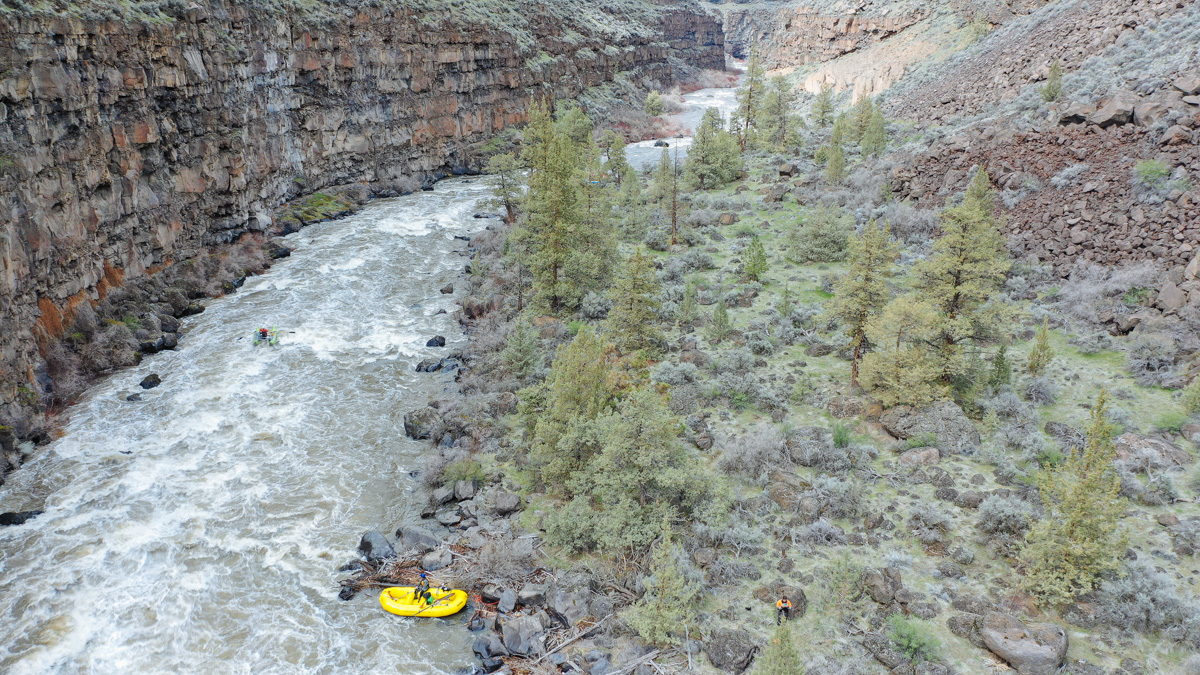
{"x": 200, "y": 529}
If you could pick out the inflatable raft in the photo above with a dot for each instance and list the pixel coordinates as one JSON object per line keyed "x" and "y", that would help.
{"x": 442, "y": 602}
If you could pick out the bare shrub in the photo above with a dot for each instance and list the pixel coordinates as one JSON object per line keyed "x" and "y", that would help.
{"x": 1093, "y": 288}
{"x": 909, "y": 223}
{"x": 1041, "y": 390}
{"x": 502, "y": 560}
{"x": 757, "y": 453}
{"x": 822, "y": 533}
{"x": 1148, "y": 600}
{"x": 1000, "y": 515}
{"x": 1068, "y": 176}
{"x": 1151, "y": 358}
{"x": 839, "y": 497}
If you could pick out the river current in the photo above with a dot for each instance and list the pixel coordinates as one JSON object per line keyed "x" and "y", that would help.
{"x": 200, "y": 529}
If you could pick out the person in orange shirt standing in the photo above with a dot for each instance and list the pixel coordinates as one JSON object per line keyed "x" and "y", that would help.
{"x": 783, "y": 610}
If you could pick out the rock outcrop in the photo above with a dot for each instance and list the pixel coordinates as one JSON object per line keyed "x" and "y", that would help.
{"x": 129, "y": 147}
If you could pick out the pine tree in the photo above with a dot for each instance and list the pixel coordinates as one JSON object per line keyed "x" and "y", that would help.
{"x": 713, "y": 157}
{"x": 1053, "y": 89}
{"x": 780, "y": 657}
{"x": 1078, "y": 540}
{"x": 860, "y": 118}
{"x": 874, "y": 139}
{"x": 508, "y": 190}
{"x": 841, "y": 129}
{"x": 822, "y": 107}
{"x": 579, "y": 389}
{"x": 1001, "y": 369}
{"x": 536, "y": 139}
{"x": 659, "y": 616}
{"x": 574, "y": 123}
{"x": 554, "y": 216}
{"x": 861, "y": 293}
{"x": 749, "y": 100}
{"x": 654, "y": 104}
{"x": 777, "y": 124}
{"x": 663, "y": 180}
{"x": 633, "y": 320}
{"x": 756, "y": 260}
{"x": 900, "y": 369}
{"x": 521, "y": 353}
{"x": 835, "y": 164}
{"x": 720, "y": 327}
{"x": 965, "y": 270}
{"x": 616, "y": 165}
{"x": 1042, "y": 353}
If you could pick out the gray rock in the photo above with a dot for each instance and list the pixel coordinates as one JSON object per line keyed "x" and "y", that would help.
{"x": 950, "y": 570}
{"x": 436, "y": 560}
{"x": 1147, "y": 452}
{"x": 508, "y": 601}
{"x": 465, "y": 489}
{"x": 1170, "y": 298}
{"x": 1032, "y": 649}
{"x": 962, "y": 555}
{"x": 375, "y": 546}
{"x": 944, "y": 420}
{"x": 523, "y": 635}
{"x": 416, "y": 538}
{"x": 532, "y": 595}
{"x": 151, "y": 381}
{"x": 447, "y": 289}
{"x": 570, "y": 604}
{"x": 424, "y": 423}
{"x": 1114, "y": 109}
{"x": 731, "y": 650}
{"x": 507, "y": 502}
{"x": 882, "y": 584}
{"x": 489, "y": 645}
{"x": 448, "y": 517}
{"x": 441, "y": 496}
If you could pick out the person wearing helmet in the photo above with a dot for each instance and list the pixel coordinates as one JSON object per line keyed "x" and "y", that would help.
{"x": 783, "y": 610}
{"x": 422, "y": 589}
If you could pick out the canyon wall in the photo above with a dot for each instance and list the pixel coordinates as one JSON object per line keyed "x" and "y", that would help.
{"x": 126, "y": 147}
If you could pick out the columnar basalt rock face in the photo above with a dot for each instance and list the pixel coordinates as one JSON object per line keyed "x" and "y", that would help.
{"x": 125, "y": 147}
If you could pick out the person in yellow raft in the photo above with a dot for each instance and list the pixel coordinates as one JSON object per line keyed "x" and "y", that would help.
{"x": 783, "y": 610}
{"x": 422, "y": 589}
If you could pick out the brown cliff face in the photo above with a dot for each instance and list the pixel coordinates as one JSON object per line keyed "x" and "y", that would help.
{"x": 126, "y": 147}
{"x": 796, "y": 35}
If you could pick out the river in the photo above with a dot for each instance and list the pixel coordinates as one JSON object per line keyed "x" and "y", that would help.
{"x": 200, "y": 529}
{"x": 643, "y": 155}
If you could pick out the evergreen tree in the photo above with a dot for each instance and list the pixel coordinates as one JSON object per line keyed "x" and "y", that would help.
{"x": 1001, "y": 369}
{"x": 1053, "y": 89}
{"x": 574, "y": 123}
{"x": 900, "y": 369}
{"x": 689, "y": 309}
{"x": 1042, "y": 353}
{"x": 780, "y": 657}
{"x": 632, "y": 206}
{"x": 579, "y": 389}
{"x": 720, "y": 327}
{"x": 861, "y": 293}
{"x": 965, "y": 270}
{"x": 508, "y": 190}
{"x": 521, "y": 353}
{"x": 777, "y": 124}
{"x": 785, "y": 304}
{"x": 841, "y": 129}
{"x": 654, "y": 104}
{"x": 659, "y": 616}
{"x": 756, "y": 260}
{"x": 633, "y": 319}
{"x": 860, "y": 118}
{"x": 822, "y": 107}
{"x": 1078, "y": 540}
{"x": 820, "y": 235}
{"x": 616, "y": 165}
{"x": 537, "y": 136}
{"x": 661, "y": 184}
{"x": 874, "y": 138}
{"x": 713, "y": 159}
{"x": 835, "y": 164}
{"x": 749, "y": 100}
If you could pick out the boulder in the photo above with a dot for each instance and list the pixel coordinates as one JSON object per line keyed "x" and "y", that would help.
{"x": 569, "y": 604}
{"x": 1175, "y": 135}
{"x": 523, "y": 635}
{"x": 943, "y": 419}
{"x": 375, "y": 546}
{"x": 883, "y": 651}
{"x": 415, "y": 537}
{"x": 1188, "y": 84}
{"x": 465, "y": 489}
{"x": 508, "y": 601}
{"x": 1114, "y": 109}
{"x": 1031, "y": 649}
{"x": 731, "y": 650}
{"x": 1192, "y": 271}
{"x": 437, "y": 559}
{"x": 920, "y": 457}
{"x": 17, "y": 517}
{"x": 532, "y": 595}
{"x": 1147, "y": 113}
{"x": 1146, "y": 452}
{"x": 788, "y": 169}
{"x": 507, "y": 502}
{"x": 436, "y": 341}
{"x": 447, "y": 289}
{"x": 882, "y": 584}
{"x": 151, "y": 381}
{"x": 1170, "y": 298}
{"x": 1191, "y": 432}
{"x": 1075, "y": 113}
{"x": 424, "y": 423}
{"x": 489, "y": 645}
{"x": 441, "y": 496}
{"x": 842, "y": 407}
{"x": 429, "y": 365}
{"x": 448, "y": 517}
{"x": 962, "y": 555}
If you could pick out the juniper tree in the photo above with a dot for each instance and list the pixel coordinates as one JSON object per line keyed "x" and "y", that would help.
{"x": 1001, "y": 369}
{"x": 654, "y": 104}
{"x": 508, "y": 183}
{"x": 668, "y": 604}
{"x": 663, "y": 180}
{"x": 966, "y": 269}
{"x": 521, "y": 352}
{"x": 820, "y": 235}
{"x": 574, "y": 123}
{"x": 579, "y": 389}
{"x": 688, "y": 309}
{"x": 861, "y": 293}
{"x": 1078, "y": 540}
{"x": 1042, "y": 353}
{"x": 616, "y": 165}
{"x": 777, "y": 124}
{"x": 756, "y": 260}
{"x": 713, "y": 157}
{"x": 1053, "y": 89}
{"x": 537, "y": 136}
{"x": 835, "y": 164}
{"x": 874, "y": 138}
{"x": 840, "y": 131}
{"x": 900, "y": 369}
{"x": 633, "y": 320}
{"x": 860, "y": 118}
{"x": 749, "y": 100}
{"x": 822, "y": 108}
{"x": 780, "y": 657}
{"x": 720, "y": 327}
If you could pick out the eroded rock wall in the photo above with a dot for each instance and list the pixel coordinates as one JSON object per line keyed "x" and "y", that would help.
{"x": 125, "y": 148}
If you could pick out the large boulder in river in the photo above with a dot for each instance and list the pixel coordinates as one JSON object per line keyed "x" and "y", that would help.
{"x": 424, "y": 423}
{"x": 375, "y": 546}
{"x": 943, "y": 420}
{"x": 1032, "y": 649}
{"x": 731, "y": 650}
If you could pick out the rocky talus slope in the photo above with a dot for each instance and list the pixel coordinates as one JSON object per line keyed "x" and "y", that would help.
{"x": 126, "y": 147}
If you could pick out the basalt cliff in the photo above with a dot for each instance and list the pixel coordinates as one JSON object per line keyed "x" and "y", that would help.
{"x": 126, "y": 147}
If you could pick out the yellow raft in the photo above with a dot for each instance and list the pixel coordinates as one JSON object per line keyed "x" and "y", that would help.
{"x": 400, "y": 600}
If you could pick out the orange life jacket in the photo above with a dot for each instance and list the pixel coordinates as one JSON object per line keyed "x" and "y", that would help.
{"x": 783, "y": 604}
